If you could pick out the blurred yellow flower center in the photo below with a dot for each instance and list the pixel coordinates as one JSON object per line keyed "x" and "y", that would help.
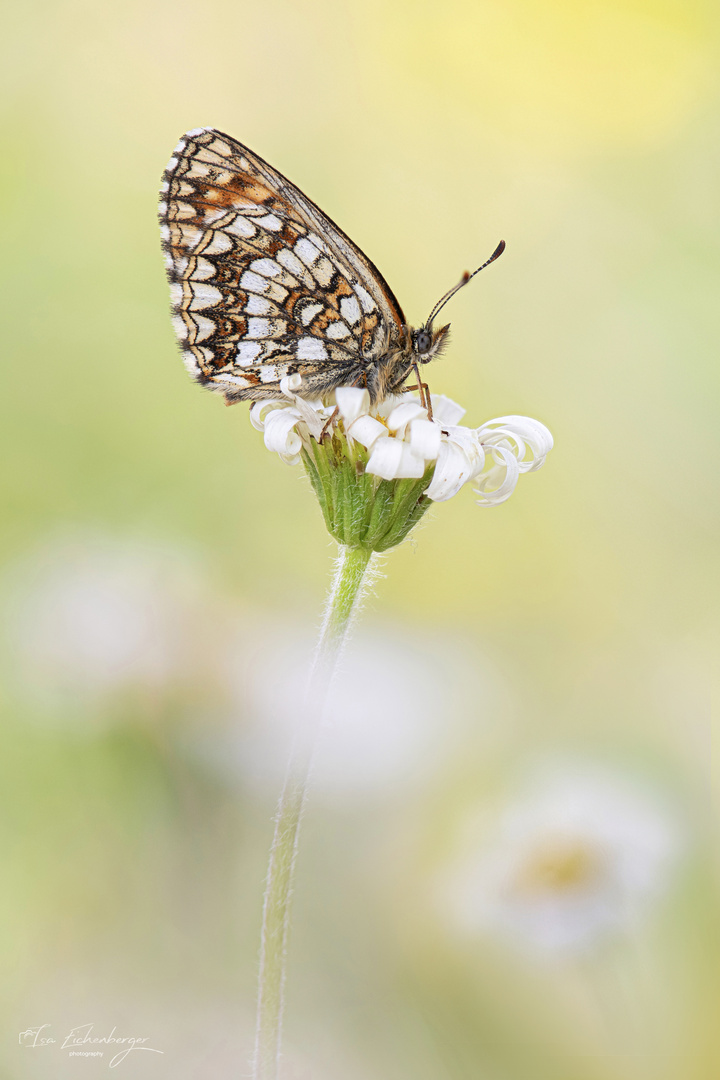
{"x": 560, "y": 866}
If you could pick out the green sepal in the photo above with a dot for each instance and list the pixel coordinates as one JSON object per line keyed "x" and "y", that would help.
{"x": 361, "y": 510}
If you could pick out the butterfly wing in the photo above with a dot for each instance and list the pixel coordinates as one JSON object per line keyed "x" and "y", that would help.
{"x": 263, "y": 283}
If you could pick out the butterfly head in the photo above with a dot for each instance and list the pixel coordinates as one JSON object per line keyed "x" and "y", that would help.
{"x": 428, "y": 343}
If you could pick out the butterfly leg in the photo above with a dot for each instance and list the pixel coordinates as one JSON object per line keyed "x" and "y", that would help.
{"x": 424, "y": 392}
{"x": 329, "y": 423}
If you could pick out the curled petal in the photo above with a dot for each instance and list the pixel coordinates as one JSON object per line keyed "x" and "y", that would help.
{"x": 446, "y": 411}
{"x": 519, "y": 434}
{"x": 403, "y": 414}
{"x": 314, "y": 415}
{"x": 366, "y": 430}
{"x": 352, "y": 401}
{"x": 454, "y": 468}
{"x": 425, "y": 438}
{"x": 497, "y": 483}
{"x": 290, "y": 384}
{"x": 280, "y": 434}
{"x": 468, "y": 441}
{"x": 260, "y": 408}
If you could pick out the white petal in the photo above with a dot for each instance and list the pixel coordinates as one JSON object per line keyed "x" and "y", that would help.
{"x": 367, "y": 430}
{"x": 290, "y": 383}
{"x": 467, "y": 440}
{"x": 385, "y": 458}
{"x": 454, "y": 468}
{"x": 411, "y": 465}
{"x": 504, "y": 461}
{"x": 314, "y": 415}
{"x": 385, "y": 407}
{"x": 522, "y": 431}
{"x": 352, "y": 402}
{"x": 401, "y": 416}
{"x": 425, "y": 438}
{"x": 280, "y": 434}
{"x": 258, "y": 410}
{"x": 446, "y": 411}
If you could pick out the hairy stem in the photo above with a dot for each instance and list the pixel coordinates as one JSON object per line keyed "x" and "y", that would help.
{"x": 353, "y": 574}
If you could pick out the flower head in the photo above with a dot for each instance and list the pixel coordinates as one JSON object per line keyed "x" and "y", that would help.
{"x": 376, "y": 469}
{"x": 580, "y": 855}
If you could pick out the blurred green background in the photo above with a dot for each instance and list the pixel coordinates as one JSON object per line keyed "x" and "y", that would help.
{"x": 163, "y": 574}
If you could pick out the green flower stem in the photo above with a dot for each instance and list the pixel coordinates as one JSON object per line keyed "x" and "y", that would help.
{"x": 352, "y": 577}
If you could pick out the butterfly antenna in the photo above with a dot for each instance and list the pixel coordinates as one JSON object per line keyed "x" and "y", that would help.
{"x": 463, "y": 281}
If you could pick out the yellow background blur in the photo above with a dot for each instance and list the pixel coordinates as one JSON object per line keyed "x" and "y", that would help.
{"x": 576, "y": 620}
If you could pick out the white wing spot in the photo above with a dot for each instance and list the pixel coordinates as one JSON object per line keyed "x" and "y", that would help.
{"x": 217, "y": 146}
{"x": 205, "y": 296}
{"x": 247, "y": 352}
{"x": 241, "y": 227}
{"x": 365, "y": 298}
{"x": 254, "y": 283}
{"x": 198, "y": 168}
{"x": 219, "y": 244}
{"x": 269, "y": 221}
{"x": 205, "y": 327}
{"x": 311, "y": 348}
{"x": 266, "y": 267}
{"x": 179, "y": 326}
{"x": 337, "y": 331}
{"x": 269, "y": 373}
{"x": 190, "y": 235}
{"x": 290, "y": 262}
{"x": 350, "y": 309}
{"x": 258, "y": 328}
{"x": 204, "y": 269}
{"x": 309, "y": 312}
{"x": 213, "y": 214}
{"x": 236, "y": 380}
{"x": 176, "y": 294}
{"x": 323, "y": 271}
{"x": 306, "y": 251}
{"x": 256, "y": 305}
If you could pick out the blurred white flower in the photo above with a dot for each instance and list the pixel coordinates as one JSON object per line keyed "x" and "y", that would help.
{"x": 401, "y": 442}
{"x": 581, "y": 854}
{"x": 91, "y": 617}
{"x": 385, "y": 730}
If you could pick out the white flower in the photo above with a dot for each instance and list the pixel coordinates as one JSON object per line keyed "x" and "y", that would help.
{"x": 384, "y": 734}
{"x": 93, "y": 617}
{"x": 580, "y": 855}
{"x": 402, "y": 443}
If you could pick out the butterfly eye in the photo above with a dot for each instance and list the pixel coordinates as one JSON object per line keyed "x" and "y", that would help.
{"x": 423, "y": 341}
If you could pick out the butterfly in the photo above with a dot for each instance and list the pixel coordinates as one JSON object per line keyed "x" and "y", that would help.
{"x": 264, "y": 285}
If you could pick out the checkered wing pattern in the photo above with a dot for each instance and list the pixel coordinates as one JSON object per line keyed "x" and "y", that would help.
{"x": 263, "y": 283}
